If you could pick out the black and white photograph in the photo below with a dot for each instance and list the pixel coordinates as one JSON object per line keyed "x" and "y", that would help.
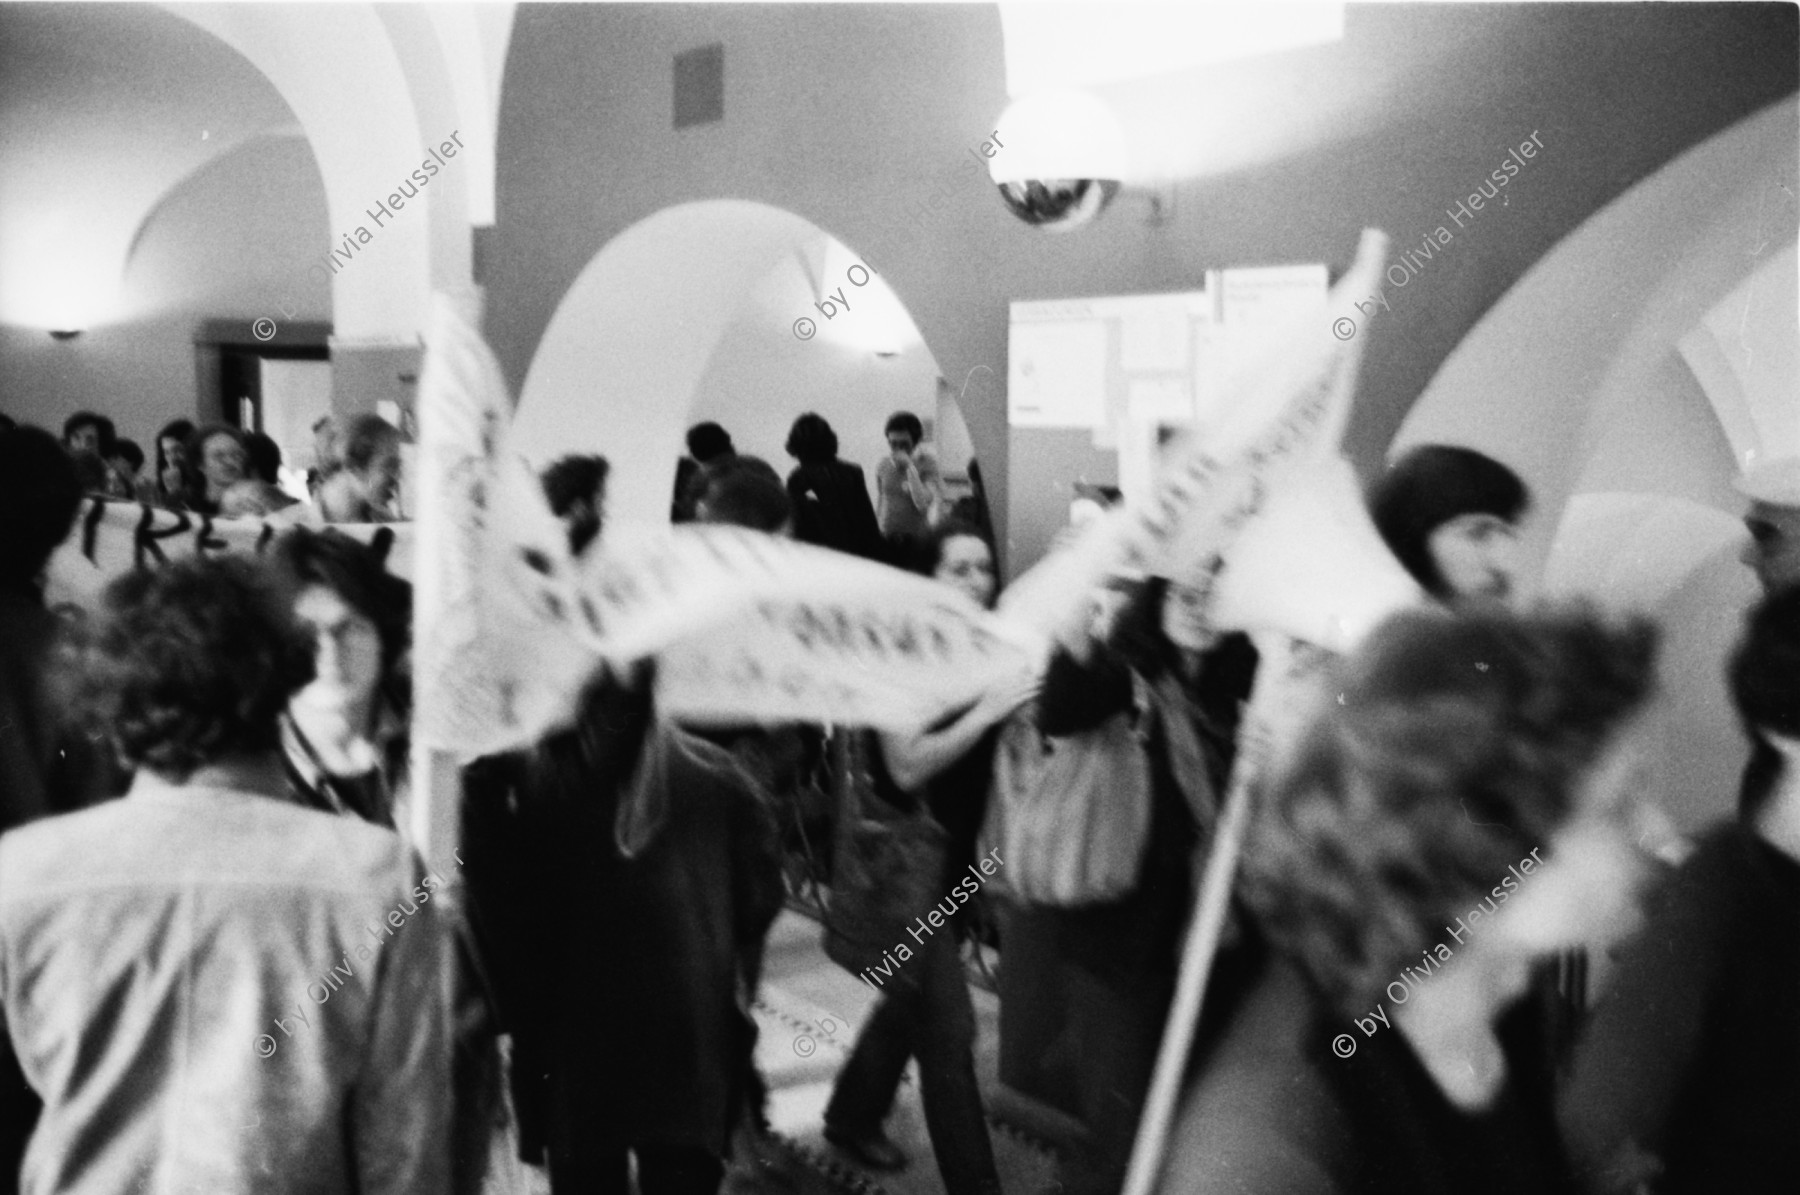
{"x": 1104, "y": 597}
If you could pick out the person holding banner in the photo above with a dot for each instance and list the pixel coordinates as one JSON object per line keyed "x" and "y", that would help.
{"x": 1122, "y": 953}
{"x": 1383, "y": 1044}
{"x": 216, "y": 461}
{"x": 928, "y": 1013}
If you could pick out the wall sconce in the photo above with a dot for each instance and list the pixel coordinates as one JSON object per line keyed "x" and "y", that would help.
{"x": 64, "y": 333}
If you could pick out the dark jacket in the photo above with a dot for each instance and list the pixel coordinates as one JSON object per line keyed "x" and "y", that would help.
{"x": 1276, "y": 1111}
{"x": 1692, "y": 1056}
{"x": 832, "y": 508}
{"x": 622, "y": 980}
{"x": 1142, "y": 931}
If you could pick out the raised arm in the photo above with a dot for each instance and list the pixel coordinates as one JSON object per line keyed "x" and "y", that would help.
{"x": 914, "y": 759}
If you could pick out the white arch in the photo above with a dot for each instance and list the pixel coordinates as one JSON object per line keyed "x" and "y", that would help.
{"x": 606, "y": 350}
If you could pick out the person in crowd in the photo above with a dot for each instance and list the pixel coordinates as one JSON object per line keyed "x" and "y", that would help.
{"x": 97, "y": 479}
{"x": 708, "y": 445}
{"x": 254, "y": 498}
{"x": 1773, "y": 521}
{"x": 86, "y": 431}
{"x": 652, "y": 1062}
{"x": 343, "y": 736}
{"x": 363, "y": 490}
{"x": 267, "y": 1046}
{"x": 37, "y": 509}
{"x": 907, "y": 486}
{"x": 1457, "y": 814}
{"x": 216, "y": 460}
{"x": 171, "y": 464}
{"x": 327, "y": 459}
{"x": 930, "y": 1016}
{"x": 744, "y": 491}
{"x": 264, "y": 456}
{"x": 831, "y": 499}
{"x": 576, "y": 489}
{"x": 1451, "y": 517}
{"x": 1122, "y": 955}
{"x": 126, "y": 463}
{"x": 1687, "y": 1080}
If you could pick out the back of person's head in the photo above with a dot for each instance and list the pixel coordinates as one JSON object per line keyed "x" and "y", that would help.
{"x": 127, "y": 451}
{"x": 1765, "y": 685}
{"x": 745, "y": 492}
{"x": 574, "y": 478}
{"x": 906, "y": 422}
{"x": 38, "y": 501}
{"x": 264, "y": 455}
{"x": 189, "y": 663}
{"x": 366, "y": 438}
{"x": 103, "y": 430}
{"x": 1428, "y": 487}
{"x": 91, "y": 469}
{"x": 1454, "y": 747}
{"x": 356, "y": 573}
{"x": 708, "y": 440}
{"x": 811, "y": 440}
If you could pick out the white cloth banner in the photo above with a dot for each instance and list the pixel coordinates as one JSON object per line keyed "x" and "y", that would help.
{"x": 111, "y": 538}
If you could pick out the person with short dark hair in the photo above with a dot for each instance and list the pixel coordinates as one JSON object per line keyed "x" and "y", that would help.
{"x": 575, "y": 486}
{"x": 268, "y": 1026}
{"x": 830, "y": 497}
{"x": 264, "y": 457}
{"x": 709, "y": 446}
{"x": 744, "y": 491}
{"x": 126, "y": 463}
{"x": 216, "y": 460}
{"x": 907, "y": 484}
{"x": 1687, "y": 1080}
{"x": 171, "y": 464}
{"x": 1457, "y": 814}
{"x": 364, "y": 489}
{"x": 1451, "y": 515}
{"x": 87, "y": 430}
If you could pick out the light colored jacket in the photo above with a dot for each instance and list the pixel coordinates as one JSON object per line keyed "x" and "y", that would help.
{"x": 162, "y": 959}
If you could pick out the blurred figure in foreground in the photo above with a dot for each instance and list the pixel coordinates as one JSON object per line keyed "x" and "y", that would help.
{"x": 1451, "y": 517}
{"x": 1688, "y": 1079}
{"x": 575, "y": 487}
{"x": 1451, "y": 818}
{"x": 1773, "y": 522}
{"x": 363, "y": 490}
{"x": 187, "y": 973}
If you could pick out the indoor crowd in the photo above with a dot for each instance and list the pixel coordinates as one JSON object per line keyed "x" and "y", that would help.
{"x": 223, "y": 968}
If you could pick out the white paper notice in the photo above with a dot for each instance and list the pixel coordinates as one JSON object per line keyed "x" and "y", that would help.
{"x": 1154, "y": 337}
{"x": 1056, "y": 375}
{"x": 1255, "y": 295}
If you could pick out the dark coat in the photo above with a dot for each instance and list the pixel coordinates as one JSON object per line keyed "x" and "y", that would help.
{"x": 1276, "y": 1111}
{"x": 625, "y": 982}
{"x": 832, "y": 509}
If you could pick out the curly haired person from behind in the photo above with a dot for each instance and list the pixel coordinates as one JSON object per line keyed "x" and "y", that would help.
{"x": 1688, "y": 1080}
{"x": 162, "y": 956}
{"x": 1455, "y": 813}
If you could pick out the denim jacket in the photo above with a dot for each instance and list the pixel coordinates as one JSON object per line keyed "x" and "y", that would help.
{"x": 222, "y": 993}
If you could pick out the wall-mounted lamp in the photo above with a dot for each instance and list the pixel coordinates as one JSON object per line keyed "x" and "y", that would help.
{"x": 64, "y": 333}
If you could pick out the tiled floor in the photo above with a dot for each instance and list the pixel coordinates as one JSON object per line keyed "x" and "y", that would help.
{"x": 808, "y": 1013}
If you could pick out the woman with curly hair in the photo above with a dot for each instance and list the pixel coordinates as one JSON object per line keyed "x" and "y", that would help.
{"x": 1688, "y": 1080}
{"x": 344, "y": 736}
{"x": 1450, "y": 818}
{"x": 158, "y": 951}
